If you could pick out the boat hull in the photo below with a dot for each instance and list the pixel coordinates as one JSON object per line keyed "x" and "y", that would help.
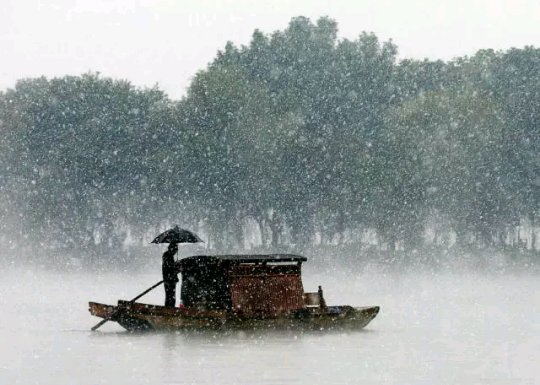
{"x": 138, "y": 316}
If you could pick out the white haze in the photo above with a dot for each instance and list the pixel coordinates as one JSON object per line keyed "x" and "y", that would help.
{"x": 166, "y": 42}
{"x": 433, "y": 328}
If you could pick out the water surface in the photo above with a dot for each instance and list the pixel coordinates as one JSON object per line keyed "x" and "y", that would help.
{"x": 444, "y": 328}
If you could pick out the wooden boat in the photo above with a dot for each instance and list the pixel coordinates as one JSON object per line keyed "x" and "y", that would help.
{"x": 239, "y": 292}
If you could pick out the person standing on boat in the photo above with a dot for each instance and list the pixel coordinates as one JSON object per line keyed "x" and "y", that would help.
{"x": 170, "y": 274}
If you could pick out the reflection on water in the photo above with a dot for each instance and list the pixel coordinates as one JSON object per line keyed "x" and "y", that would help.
{"x": 444, "y": 329}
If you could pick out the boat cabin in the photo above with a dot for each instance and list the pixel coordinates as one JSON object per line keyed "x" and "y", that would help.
{"x": 247, "y": 285}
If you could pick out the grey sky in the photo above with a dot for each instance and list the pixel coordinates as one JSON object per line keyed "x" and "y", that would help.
{"x": 167, "y": 41}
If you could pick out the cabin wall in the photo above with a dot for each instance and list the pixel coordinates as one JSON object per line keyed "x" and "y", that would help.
{"x": 205, "y": 286}
{"x": 265, "y": 290}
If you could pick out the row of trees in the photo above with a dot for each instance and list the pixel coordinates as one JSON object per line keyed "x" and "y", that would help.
{"x": 307, "y": 137}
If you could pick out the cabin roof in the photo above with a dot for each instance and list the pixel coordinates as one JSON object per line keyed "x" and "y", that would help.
{"x": 243, "y": 258}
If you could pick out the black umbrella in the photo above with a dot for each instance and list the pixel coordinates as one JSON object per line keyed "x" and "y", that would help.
{"x": 177, "y": 235}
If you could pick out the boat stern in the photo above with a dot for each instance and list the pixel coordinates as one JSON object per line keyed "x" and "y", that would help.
{"x": 101, "y": 310}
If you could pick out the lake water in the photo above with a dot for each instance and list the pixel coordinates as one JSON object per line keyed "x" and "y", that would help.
{"x": 452, "y": 328}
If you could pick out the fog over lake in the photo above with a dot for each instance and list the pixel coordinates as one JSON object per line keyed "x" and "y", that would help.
{"x": 443, "y": 327}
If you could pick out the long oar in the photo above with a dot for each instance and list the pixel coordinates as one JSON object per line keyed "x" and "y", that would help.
{"x": 96, "y": 326}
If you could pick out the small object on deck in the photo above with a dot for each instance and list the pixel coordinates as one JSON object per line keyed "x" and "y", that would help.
{"x": 322, "y": 302}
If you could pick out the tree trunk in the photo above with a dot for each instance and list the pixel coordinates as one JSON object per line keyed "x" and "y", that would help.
{"x": 391, "y": 240}
{"x": 275, "y": 229}
{"x": 238, "y": 229}
{"x": 341, "y": 227}
{"x": 532, "y": 218}
{"x": 262, "y": 229}
{"x": 460, "y": 237}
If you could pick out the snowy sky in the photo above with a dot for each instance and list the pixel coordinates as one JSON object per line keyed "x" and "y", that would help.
{"x": 167, "y": 41}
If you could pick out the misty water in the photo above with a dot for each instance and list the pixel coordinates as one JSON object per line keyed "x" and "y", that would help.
{"x": 445, "y": 328}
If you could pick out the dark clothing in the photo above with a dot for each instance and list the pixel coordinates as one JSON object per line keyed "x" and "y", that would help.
{"x": 170, "y": 272}
{"x": 170, "y": 277}
{"x": 170, "y": 294}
